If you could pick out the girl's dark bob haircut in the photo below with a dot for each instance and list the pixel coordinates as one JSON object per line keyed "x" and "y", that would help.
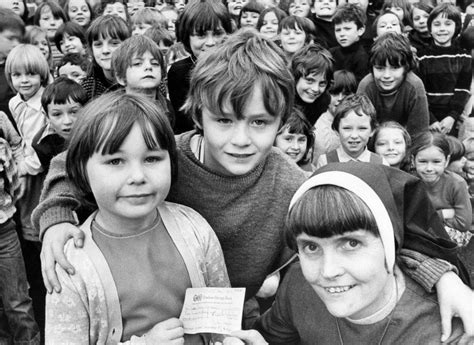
{"x": 61, "y": 91}
{"x": 426, "y": 139}
{"x": 343, "y": 82}
{"x": 449, "y": 11}
{"x": 72, "y": 29}
{"x": 304, "y": 24}
{"x": 251, "y": 6}
{"x": 56, "y": 11}
{"x": 394, "y": 49}
{"x": 279, "y": 14}
{"x": 102, "y": 126}
{"x": 200, "y": 16}
{"x": 298, "y": 124}
{"x": 319, "y": 213}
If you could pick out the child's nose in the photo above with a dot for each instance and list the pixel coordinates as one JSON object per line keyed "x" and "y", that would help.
{"x": 240, "y": 135}
{"x": 210, "y": 40}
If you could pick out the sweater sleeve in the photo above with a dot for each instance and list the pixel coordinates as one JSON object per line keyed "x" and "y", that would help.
{"x": 462, "y": 89}
{"x": 462, "y": 207}
{"x": 418, "y": 118}
{"x": 57, "y": 201}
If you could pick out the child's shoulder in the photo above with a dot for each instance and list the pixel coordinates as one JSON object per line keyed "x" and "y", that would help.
{"x": 455, "y": 178}
{"x": 283, "y": 168}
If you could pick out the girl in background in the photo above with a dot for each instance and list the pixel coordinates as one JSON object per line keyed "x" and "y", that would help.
{"x": 420, "y": 36}
{"x": 296, "y": 139}
{"x": 448, "y": 191}
{"x": 391, "y": 140}
{"x": 79, "y": 12}
{"x": 36, "y": 36}
{"x": 249, "y": 15}
{"x": 269, "y": 20}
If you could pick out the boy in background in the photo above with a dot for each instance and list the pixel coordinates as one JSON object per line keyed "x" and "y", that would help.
{"x": 74, "y": 67}
{"x": 355, "y": 122}
{"x": 323, "y": 11}
{"x": 349, "y": 26}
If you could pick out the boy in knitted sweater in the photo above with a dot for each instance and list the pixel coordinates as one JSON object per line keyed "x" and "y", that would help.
{"x": 228, "y": 169}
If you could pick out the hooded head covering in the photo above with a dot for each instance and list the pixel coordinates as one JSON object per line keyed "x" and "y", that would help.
{"x": 399, "y": 202}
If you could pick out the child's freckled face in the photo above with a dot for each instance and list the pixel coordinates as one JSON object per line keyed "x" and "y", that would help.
{"x": 235, "y": 146}
{"x": 324, "y": 8}
{"x": 420, "y": 20}
{"x": 26, "y": 83}
{"x": 354, "y": 132}
{"x": 310, "y": 87}
{"x": 299, "y": 8}
{"x": 292, "y": 144}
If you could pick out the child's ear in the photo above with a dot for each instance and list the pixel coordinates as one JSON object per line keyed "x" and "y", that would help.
{"x": 361, "y": 30}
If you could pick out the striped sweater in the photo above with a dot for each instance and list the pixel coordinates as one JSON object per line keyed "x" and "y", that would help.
{"x": 446, "y": 73}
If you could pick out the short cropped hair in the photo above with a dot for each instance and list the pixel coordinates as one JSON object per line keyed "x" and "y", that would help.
{"x": 298, "y": 124}
{"x": 394, "y": 49}
{"x": 72, "y": 29}
{"x": 318, "y": 213}
{"x": 360, "y": 104}
{"x": 9, "y": 20}
{"x": 450, "y": 12}
{"x": 350, "y": 13}
{"x": 56, "y": 11}
{"x": 74, "y": 59}
{"x": 279, "y": 14}
{"x": 149, "y": 16}
{"x": 231, "y": 73}
{"x": 29, "y": 58}
{"x": 200, "y": 16}
{"x": 131, "y": 47}
{"x": 61, "y": 91}
{"x": 107, "y": 26}
{"x": 102, "y": 126}
{"x": 300, "y": 23}
{"x": 312, "y": 58}
{"x": 343, "y": 82}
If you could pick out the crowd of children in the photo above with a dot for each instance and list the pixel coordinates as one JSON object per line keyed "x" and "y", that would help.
{"x": 175, "y": 135}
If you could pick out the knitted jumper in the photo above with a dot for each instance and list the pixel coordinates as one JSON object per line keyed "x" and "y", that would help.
{"x": 353, "y": 59}
{"x": 247, "y": 212}
{"x": 446, "y": 73}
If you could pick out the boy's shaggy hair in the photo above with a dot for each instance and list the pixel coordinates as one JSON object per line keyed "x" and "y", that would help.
{"x": 394, "y": 49}
{"x": 350, "y": 13}
{"x": 149, "y": 16}
{"x": 231, "y": 73}
{"x": 360, "y": 104}
{"x": 74, "y": 59}
{"x": 56, "y": 11}
{"x": 312, "y": 58}
{"x": 135, "y": 46}
{"x": 107, "y": 26}
{"x": 449, "y": 11}
{"x": 28, "y": 58}
{"x": 61, "y": 91}
{"x": 9, "y": 20}
{"x": 295, "y": 22}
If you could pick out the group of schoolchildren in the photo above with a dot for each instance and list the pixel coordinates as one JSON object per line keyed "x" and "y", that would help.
{"x": 177, "y": 133}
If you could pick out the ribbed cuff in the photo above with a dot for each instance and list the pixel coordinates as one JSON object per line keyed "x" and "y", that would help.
{"x": 55, "y": 215}
{"x": 430, "y": 271}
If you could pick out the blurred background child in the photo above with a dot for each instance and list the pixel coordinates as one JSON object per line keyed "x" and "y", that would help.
{"x": 391, "y": 141}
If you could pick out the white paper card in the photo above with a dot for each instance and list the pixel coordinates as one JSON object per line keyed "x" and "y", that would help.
{"x": 213, "y": 310}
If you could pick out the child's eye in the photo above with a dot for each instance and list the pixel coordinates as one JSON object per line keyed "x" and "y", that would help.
{"x": 115, "y": 161}
{"x": 152, "y": 159}
{"x": 259, "y": 123}
{"x": 97, "y": 44}
{"x": 224, "y": 121}
{"x": 302, "y": 140}
{"x": 309, "y": 248}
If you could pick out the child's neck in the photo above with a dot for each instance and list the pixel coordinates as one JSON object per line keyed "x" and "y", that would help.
{"x": 148, "y": 93}
{"x": 352, "y": 154}
{"x": 125, "y": 226}
{"x": 108, "y": 75}
{"x": 326, "y": 19}
{"x": 40, "y": 90}
{"x": 447, "y": 45}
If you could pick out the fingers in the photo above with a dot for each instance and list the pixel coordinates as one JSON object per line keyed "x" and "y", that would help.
{"x": 78, "y": 237}
{"x": 446, "y": 317}
{"x": 46, "y": 263}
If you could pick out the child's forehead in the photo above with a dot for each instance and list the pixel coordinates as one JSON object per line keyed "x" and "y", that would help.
{"x": 315, "y": 76}
{"x": 68, "y": 103}
{"x": 105, "y": 38}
